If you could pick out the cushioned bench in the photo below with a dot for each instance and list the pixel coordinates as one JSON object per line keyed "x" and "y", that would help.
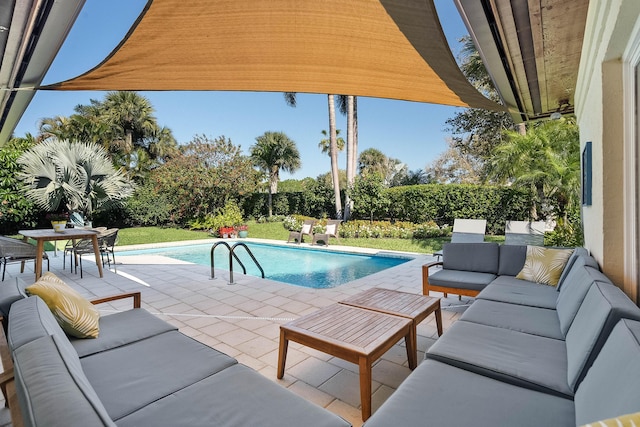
{"x": 139, "y": 371}
{"x": 529, "y": 354}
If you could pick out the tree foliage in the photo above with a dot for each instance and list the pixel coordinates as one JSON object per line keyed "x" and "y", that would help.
{"x": 546, "y": 160}
{"x": 273, "y": 152}
{"x": 76, "y": 176}
{"x": 202, "y": 177}
{"x": 368, "y": 195}
{"x": 474, "y": 132}
{"x": 16, "y": 210}
{"x": 124, "y": 124}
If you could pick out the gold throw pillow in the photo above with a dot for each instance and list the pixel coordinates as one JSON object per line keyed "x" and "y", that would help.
{"x": 77, "y": 316}
{"x": 544, "y": 265}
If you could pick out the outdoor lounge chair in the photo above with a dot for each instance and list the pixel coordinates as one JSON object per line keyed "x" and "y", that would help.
{"x": 467, "y": 231}
{"x": 14, "y": 250}
{"x": 524, "y": 233}
{"x": 331, "y": 230}
{"x": 307, "y": 229}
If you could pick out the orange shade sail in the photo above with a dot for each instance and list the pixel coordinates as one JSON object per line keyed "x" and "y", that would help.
{"x": 392, "y": 49}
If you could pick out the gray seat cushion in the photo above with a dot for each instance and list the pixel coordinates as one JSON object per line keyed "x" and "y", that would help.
{"x": 52, "y": 388}
{"x": 512, "y": 258}
{"x": 514, "y": 291}
{"x": 600, "y": 311}
{"x": 611, "y": 386}
{"x": 461, "y": 279}
{"x": 11, "y": 292}
{"x": 121, "y": 329}
{"x": 531, "y": 320}
{"x": 30, "y": 319}
{"x": 236, "y": 396}
{"x": 440, "y": 395}
{"x": 578, "y": 252}
{"x": 479, "y": 257}
{"x": 574, "y": 290}
{"x": 130, "y": 377}
{"x": 525, "y": 360}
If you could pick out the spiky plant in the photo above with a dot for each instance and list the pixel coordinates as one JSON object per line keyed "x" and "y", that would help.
{"x": 76, "y": 175}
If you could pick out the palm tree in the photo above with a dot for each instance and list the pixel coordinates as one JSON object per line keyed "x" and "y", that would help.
{"x": 291, "y": 100}
{"x": 547, "y": 160}
{"x": 75, "y": 175}
{"x": 272, "y": 152}
{"x": 325, "y": 144}
{"x": 349, "y": 106}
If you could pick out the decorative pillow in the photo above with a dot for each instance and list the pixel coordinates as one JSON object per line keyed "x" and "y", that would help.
{"x": 629, "y": 420}
{"x": 76, "y": 316}
{"x": 544, "y": 265}
{"x": 331, "y": 229}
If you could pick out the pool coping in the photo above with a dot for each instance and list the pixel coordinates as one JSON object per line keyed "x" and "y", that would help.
{"x": 334, "y": 248}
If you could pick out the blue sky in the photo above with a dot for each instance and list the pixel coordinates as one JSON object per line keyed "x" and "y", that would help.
{"x": 409, "y": 131}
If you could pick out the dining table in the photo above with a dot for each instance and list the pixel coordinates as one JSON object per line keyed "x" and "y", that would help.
{"x": 48, "y": 235}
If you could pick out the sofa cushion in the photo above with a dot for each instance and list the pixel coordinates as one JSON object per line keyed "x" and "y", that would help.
{"x": 77, "y": 316}
{"x": 30, "y": 319}
{"x": 437, "y": 394}
{"x": 461, "y": 279}
{"x": 579, "y": 252}
{"x": 479, "y": 257}
{"x": 525, "y": 360}
{"x": 515, "y": 291}
{"x": 611, "y": 386}
{"x": 576, "y": 286}
{"x": 52, "y": 388}
{"x": 11, "y": 292}
{"x": 512, "y": 259}
{"x": 601, "y": 309}
{"x": 133, "y": 376}
{"x": 121, "y": 329}
{"x": 544, "y": 265}
{"x": 235, "y": 396}
{"x": 531, "y": 320}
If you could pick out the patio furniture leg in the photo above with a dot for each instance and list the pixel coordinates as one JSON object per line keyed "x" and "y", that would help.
{"x": 365, "y": 386}
{"x": 282, "y": 353}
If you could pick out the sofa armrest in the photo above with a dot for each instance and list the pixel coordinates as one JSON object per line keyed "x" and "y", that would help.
{"x": 137, "y": 299}
{"x": 425, "y": 276}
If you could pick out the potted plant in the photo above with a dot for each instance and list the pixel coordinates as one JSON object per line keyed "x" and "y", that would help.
{"x": 243, "y": 230}
{"x": 58, "y": 220}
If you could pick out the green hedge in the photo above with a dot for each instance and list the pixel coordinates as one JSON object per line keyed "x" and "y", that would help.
{"x": 417, "y": 204}
{"x": 444, "y": 203}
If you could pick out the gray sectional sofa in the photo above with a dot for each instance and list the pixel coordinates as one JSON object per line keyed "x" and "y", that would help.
{"x": 140, "y": 371}
{"x": 527, "y": 354}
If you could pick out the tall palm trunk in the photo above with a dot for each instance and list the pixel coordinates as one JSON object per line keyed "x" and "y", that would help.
{"x": 274, "y": 177}
{"x": 351, "y": 156}
{"x": 333, "y": 151}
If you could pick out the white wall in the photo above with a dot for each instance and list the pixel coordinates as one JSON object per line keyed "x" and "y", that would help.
{"x": 605, "y": 106}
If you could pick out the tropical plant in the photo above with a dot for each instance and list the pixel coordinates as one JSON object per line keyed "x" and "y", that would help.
{"x": 73, "y": 175}
{"x": 124, "y": 124}
{"x": 16, "y": 210}
{"x": 546, "y": 160}
{"x": 330, "y": 145}
{"x": 273, "y": 152}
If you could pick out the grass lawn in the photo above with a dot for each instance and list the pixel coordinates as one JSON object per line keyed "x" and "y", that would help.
{"x": 275, "y": 231}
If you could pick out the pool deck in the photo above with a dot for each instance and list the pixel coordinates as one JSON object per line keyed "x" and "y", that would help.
{"x": 243, "y": 319}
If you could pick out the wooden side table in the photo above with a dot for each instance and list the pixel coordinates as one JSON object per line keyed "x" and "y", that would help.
{"x": 350, "y": 333}
{"x": 412, "y": 306}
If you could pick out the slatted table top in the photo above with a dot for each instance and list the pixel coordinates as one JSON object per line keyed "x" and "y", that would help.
{"x": 394, "y": 302}
{"x": 357, "y": 330}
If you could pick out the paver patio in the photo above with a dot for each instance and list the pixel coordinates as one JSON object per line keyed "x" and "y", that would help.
{"x": 243, "y": 320}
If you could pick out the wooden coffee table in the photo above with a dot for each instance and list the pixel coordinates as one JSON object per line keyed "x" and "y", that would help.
{"x": 412, "y": 306}
{"x": 356, "y": 335}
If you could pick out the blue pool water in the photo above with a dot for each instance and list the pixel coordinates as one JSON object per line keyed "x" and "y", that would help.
{"x": 312, "y": 268}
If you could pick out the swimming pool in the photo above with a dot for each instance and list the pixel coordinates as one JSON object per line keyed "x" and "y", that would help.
{"x": 307, "y": 267}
